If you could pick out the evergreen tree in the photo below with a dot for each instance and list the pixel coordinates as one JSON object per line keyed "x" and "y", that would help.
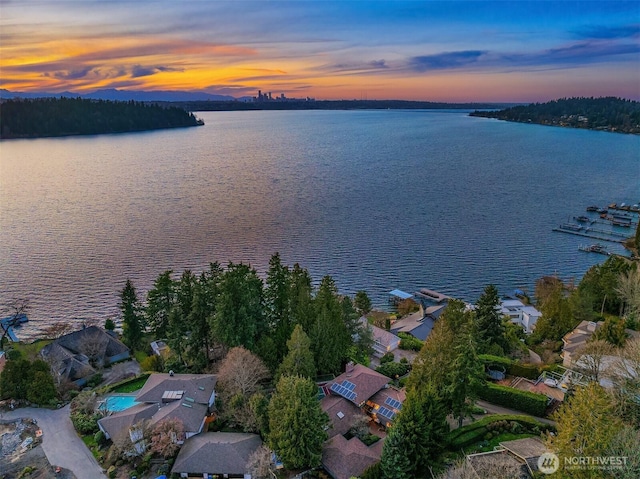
{"x": 238, "y": 320}
{"x": 362, "y": 303}
{"x": 15, "y": 379}
{"x": 489, "y": 322}
{"x": 299, "y": 360}
{"x": 466, "y": 376}
{"x": 160, "y": 301}
{"x": 297, "y": 423}
{"x": 416, "y": 437}
{"x": 131, "y": 317}
{"x": 300, "y": 298}
{"x": 329, "y": 335}
{"x": 278, "y": 305}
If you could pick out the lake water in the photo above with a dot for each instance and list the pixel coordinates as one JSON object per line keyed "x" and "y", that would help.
{"x": 377, "y": 199}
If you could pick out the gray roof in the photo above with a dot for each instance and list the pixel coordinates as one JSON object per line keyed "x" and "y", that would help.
{"x": 66, "y": 363}
{"x": 216, "y": 453}
{"x": 117, "y": 424}
{"x": 197, "y": 387}
{"x": 190, "y": 414}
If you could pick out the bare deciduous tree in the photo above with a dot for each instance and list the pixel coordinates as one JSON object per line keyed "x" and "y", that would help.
{"x": 260, "y": 465}
{"x": 56, "y": 330}
{"x": 592, "y": 359}
{"x": 166, "y": 437}
{"x": 93, "y": 346}
{"x": 241, "y": 372}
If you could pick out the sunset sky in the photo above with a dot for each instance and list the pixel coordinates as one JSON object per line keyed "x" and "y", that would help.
{"x": 442, "y": 51}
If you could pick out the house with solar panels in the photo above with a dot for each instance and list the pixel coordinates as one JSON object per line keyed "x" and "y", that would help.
{"x": 385, "y": 405}
{"x": 370, "y": 391}
{"x": 358, "y": 383}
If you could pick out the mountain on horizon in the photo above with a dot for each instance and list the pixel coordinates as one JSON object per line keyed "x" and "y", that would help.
{"x": 123, "y": 95}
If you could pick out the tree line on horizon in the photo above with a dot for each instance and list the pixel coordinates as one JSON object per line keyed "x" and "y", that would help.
{"x": 50, "y": 117}
{"x": 606, "y": 113}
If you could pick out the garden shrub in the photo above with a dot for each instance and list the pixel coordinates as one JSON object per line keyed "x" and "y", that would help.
{"x": 393, "y": 370}
{"x": 408, "y": 342}
{"x": 495, "y": 425}
{"x": 387, "y": 358}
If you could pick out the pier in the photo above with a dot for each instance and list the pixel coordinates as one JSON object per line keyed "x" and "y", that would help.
{"x": 592, "y": 234}
{"x": 432, "y": 295}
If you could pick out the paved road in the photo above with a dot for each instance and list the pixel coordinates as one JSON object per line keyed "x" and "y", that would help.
{"x": 60, "y": 442}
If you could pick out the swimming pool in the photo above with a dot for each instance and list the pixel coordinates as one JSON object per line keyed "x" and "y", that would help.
{"x": 116, "y": 403}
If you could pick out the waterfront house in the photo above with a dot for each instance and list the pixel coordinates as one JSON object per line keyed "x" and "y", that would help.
{"x": 77, "y": 356}
{"x": 519, "y": 313}
{"x": 216, "y": 454}
{"x": 420, "y": 323}
{"x": 187, "y": 398}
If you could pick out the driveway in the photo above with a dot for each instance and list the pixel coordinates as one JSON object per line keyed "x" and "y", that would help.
{"x": 60, "y": 442}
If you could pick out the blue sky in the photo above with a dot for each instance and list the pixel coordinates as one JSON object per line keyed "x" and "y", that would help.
{"x": 444, "y": 51}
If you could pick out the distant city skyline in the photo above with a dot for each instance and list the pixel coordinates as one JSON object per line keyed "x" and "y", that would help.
{"x": 480, "y": 51}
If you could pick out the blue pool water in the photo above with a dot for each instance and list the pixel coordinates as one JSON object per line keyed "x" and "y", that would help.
{"x": 118, "y": 403}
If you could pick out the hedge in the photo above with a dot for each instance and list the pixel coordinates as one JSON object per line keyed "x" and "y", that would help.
{"x": 525, "y": 401}
{"x": 474, "y": 432}
{"x": 408, "y": 342}
{"x": 513, "y": 368}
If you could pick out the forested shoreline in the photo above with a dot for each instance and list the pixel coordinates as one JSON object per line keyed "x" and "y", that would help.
{"x": 608, "y": 114}
{"x": 51, "y": 117}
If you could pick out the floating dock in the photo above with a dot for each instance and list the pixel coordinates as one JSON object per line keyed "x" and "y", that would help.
{"x": 591, "y": 234}
{"x": 432, "y": 295}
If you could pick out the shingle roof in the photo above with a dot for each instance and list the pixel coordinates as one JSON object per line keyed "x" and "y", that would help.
{"x": 191, "y": 415}
{"x": 344, "y": 458}
{"x": 367, "y": 382}
{"x": 198, "y": 387}
{"x": 336, "y": 406}
{"x": 117, "y": 424}
{"x": 216, "y": 453}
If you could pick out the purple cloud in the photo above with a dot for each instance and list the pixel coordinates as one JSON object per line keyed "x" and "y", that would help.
{"x": 445, "y": 61}
{"x": 608, "y": 33}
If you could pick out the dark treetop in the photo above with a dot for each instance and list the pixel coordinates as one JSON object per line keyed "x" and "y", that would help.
{"x": 609, "y": 114}
{"x": 74, "y": 116}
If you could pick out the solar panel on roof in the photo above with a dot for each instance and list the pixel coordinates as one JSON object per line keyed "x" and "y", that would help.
{"x": 351, "y": 395}
{"x": 349, "y": 385}
{"x": 394, "y": 403}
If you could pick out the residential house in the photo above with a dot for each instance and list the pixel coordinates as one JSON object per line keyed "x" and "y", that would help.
{"x": 345, "y": 458}
{"x": 519, "y": 313}
{"x": 358, "y": 390}
{"x": 77, "y": 356}
{"x": 217, "y": 454}
{"x": 383, "y": 341}
{"x": 342, "y": 414}
{"x": 420, "y": 323}
{"x": 358, "y": 383}
{"x": 385, "y": 405}
{"x": 184, "y": 397}
{"x": 576, "y": 340}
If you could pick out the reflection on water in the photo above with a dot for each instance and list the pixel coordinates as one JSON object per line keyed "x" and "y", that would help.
{"x": 377, "y": 199}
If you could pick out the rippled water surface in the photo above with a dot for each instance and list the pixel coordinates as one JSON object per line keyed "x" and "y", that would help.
{"x": 377, "y": 199}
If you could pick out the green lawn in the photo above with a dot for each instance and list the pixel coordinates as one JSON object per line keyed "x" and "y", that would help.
{"x": 31, "y": 351}
{"x": 132, "y": 386}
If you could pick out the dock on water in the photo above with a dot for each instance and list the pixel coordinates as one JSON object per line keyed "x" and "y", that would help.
{"x": 591, "y": 234}
{"x": 432, "y": 295}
